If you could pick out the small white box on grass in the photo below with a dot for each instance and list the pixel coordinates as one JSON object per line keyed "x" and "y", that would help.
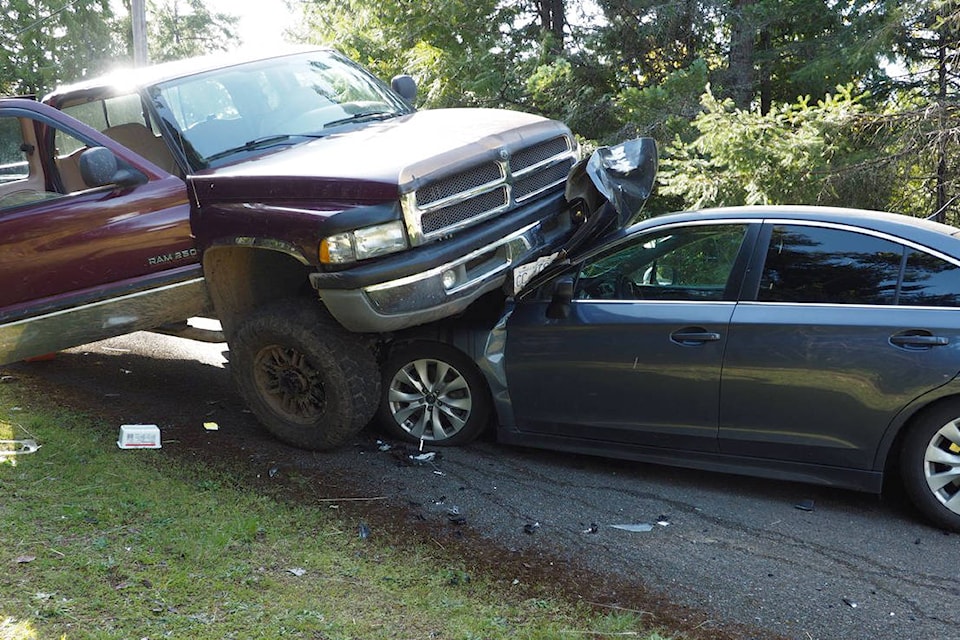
{"x": 139, "y": 436}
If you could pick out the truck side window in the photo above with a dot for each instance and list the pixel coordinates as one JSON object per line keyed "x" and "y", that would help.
{"x": 21, "y": 173}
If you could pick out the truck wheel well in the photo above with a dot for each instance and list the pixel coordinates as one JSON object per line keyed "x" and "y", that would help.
{"x": 241, "y": 279}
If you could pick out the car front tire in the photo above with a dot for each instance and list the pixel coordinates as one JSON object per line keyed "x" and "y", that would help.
{"x": 930, "y": 464}
{"x": 433, "y": 392}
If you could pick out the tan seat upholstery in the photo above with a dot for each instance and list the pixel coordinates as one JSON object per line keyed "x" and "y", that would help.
{"x": 142, "y": 141}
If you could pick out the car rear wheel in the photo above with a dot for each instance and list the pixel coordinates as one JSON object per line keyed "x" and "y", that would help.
{"x": 930, "y": 464}
{"x": 310, "y": 382}
{"x": 433, "y": 392}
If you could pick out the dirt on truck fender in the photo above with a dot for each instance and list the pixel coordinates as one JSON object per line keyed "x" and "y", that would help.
{"x": 302, "y": 202}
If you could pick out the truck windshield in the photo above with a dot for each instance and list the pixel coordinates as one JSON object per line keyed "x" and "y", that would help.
{"x": 220, "y": 115}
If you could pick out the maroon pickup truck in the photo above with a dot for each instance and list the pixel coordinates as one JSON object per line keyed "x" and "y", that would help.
{"x": 296, "y": 198}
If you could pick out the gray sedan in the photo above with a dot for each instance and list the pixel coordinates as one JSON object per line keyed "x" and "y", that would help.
{"x": 796, "y": 343}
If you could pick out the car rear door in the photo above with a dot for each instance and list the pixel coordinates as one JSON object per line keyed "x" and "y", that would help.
{"x": 834, "y": 343}
{"x": 638, "y": 357}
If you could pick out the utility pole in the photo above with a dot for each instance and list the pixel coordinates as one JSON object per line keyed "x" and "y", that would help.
{"x": 138, "y": 16}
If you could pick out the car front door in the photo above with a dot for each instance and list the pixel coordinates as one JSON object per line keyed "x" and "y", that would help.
{"x": 835, "y": 343}
{"x": 637, "y": 359}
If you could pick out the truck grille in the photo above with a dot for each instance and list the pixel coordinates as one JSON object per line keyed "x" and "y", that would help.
{"x": 462, "y": 199}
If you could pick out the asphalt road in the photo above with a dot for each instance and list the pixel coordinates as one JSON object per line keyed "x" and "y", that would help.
{"x": 732, "y": 550}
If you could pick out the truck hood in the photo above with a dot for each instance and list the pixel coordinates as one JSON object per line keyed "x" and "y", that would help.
{"x": 375, "y": 161}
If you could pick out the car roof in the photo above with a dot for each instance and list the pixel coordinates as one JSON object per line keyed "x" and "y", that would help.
{"x": 129, "y": 79}
{"x": 933, "y": 234}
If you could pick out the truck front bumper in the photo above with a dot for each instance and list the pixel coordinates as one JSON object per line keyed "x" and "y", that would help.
{"x": 437, "y": 284}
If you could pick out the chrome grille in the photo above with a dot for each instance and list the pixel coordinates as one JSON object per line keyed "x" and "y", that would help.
{"x": 458, "y": 183}
{"x": 454, "y": 214}
{"x": 534, "y": 183}
{"x": 538, "y": 153}
{"x": 451, "y": 203}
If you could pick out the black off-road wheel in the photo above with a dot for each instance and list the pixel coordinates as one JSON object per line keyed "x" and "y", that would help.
{"x": 308, "y": 380}
{"x": 433, "y": 392}
{"x": 930, "y": 464}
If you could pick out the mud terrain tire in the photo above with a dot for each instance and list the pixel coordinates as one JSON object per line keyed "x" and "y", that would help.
{"x": 308, "y": 380}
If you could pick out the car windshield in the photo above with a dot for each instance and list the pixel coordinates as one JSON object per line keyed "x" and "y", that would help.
{"x": 244, "y": 109}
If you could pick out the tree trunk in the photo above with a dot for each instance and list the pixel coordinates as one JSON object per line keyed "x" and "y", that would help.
{"x": 941, "y": 214}
{"x": 552, "y": 21}
{"x": 742, "y": 36}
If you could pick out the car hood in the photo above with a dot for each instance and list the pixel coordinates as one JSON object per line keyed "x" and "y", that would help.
{"x": 374, "y": 161}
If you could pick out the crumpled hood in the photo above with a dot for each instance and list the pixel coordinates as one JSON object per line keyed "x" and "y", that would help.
{"x": 375, "y": 161}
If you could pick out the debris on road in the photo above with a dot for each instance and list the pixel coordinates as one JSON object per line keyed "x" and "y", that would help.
{"x": 804, "y": 505}
{"x": 663, "y": 521}
{"x": 454, "y": 516}
{"x": 635, "y": 528}
{"x": 593, "y": 528}
{"x": 531, "y": 528}
{"x": 423, "y": 458}
{"x": 211, "y": 426}
{"x": 850, "y": 603}
{"x": 364, "y": 531}
{"x": 7, "y": 379}
{"x": 384, "y": 446}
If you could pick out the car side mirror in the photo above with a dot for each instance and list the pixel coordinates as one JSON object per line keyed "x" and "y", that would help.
{"x": 559, "y": 307}
{"x": 406, "y": 86}
{"x": 99, "y": 167}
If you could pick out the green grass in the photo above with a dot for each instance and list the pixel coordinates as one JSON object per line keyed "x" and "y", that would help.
{"x": 96, "y": 542}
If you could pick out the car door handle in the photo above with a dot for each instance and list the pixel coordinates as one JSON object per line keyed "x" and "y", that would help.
{"x": 691, "y": 336}
{"x": 918, "y": 340}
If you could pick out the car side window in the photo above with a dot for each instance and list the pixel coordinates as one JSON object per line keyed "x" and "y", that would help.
{"x": 681, "y": 263}
{"x": 831, "y": 266}
{"x": 930, "y": 282}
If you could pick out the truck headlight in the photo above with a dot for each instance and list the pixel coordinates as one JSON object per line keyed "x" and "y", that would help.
{"x": 361, "y": 244}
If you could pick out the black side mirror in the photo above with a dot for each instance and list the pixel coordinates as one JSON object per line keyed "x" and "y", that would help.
{"x": 99, "y": 167}
{"x": 559, "y": 307}
{"x": 406, "y": 86}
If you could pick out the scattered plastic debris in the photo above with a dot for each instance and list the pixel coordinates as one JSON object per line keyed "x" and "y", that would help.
{"x": 384, "y": 446}
{"x": 850, "y": 603}
{"x": 139, "y": 436}
{"x": 454, "y": 516}
{"x": 25, "y": 559}
{"x": 274, "y": 470}
{"x": 297, "y": 571}
{"x": 7, "y": 379}
{"x": 211, "y": 426}
{"x": 17, "y": 447}
{"x": 424, "y": 458}
{"x": 531, "y": 528}
{"x": 635, "y": 528}
{"x": 804, "y": 505}
{"x": 663, "y": 521}
{"x": 364, "y": 531}
{"x": 593, "y": 528}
